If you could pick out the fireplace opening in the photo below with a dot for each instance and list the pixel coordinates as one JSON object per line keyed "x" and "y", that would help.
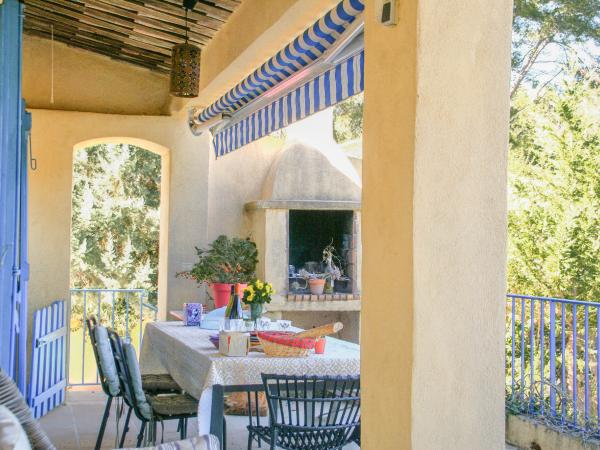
{"x": 309, "y": 233}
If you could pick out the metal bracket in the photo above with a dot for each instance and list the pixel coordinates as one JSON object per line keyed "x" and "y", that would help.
{"x": 197, "y": 128}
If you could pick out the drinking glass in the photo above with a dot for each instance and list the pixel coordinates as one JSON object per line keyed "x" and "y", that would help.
{"x": 284, "y": 325}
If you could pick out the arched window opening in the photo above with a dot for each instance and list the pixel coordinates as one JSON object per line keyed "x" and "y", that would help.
{"x": 115, "y": 236}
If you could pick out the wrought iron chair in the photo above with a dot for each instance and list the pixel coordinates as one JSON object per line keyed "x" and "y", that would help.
{"x": 149, "y": 408}
{"x": 309, "y": 412}
{"x": 110, "y": 382}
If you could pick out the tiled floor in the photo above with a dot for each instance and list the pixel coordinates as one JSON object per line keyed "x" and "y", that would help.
{"x": 75, "y": 425}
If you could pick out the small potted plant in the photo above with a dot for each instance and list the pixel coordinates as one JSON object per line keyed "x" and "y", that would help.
{"x": 256, "y": 295}
{"x": 225, "y": 262}
{"x": 333, "y": 270}
{"x": 315, "y": 281}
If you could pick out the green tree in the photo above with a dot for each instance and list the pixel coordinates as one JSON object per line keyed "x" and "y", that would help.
{"x": 546, "y": 33}
{"x": 348, "y": 119}
{"x": 554, "y": 191}
{"x": 115, "y": 218}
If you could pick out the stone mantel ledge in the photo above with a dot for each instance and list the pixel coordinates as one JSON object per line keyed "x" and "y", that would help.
{"x": 335, "y": 305}
{"x": 312, "y": 205}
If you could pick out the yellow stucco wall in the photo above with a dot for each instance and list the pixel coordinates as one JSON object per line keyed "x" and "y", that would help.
{"x": 459, "y": 217}
{"x": 84, "y": 81}
{"x": 235, "y": 180}
{"x": 434, "y": 225}
{"x": 54, "y": 136}
{"x": 434, "y": 180}
{"x": 387, "y": 224}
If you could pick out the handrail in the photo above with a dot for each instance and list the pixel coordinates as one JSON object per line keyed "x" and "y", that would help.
{"x": 555, "y": 299}
{"x": 552, "y": 360}
{"x": 92, "y": 299}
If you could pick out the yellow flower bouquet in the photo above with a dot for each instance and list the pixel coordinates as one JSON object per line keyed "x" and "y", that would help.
{"x": 256, "y": 295}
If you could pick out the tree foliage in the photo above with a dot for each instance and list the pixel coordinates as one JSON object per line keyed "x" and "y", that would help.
{"x": 547, "y": 32}
{"x": 115, "y": 218}
{"x": 554, "y": 192}
{"x": 348, "y": 119}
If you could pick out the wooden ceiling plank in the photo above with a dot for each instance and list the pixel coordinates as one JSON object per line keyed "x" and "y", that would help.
{"x": 158, "y": 11}
{"x": 207, "y": 8}
{"x": 103, "y": 51}
{"x": 93, "y": 39}
{"x": 138, "y": 13}
{"x": 177, "y": 10}
{"x": 142, "y": 9}
{"x": 140, "y": 32}
{"x": 57, "y": 19}
{"x": 101, "y": 23}
{"x": 114, "y": 19}
{"x": 230, "y": 5}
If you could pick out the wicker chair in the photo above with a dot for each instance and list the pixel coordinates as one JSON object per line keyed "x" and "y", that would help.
{"x": 149, "y": 408}
{"x": 14, "y": 401}
{"x": 309, "y": 412}
{"x": 110, "y": 382}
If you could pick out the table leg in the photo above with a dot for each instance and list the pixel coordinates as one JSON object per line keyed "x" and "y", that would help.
{"x": 216, "y": 416}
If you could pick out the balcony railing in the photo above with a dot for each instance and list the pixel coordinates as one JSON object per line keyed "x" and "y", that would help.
{"x": 552, "y": 365}
{"x": 124, "y": 310}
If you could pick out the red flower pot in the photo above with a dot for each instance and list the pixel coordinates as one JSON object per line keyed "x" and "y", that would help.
{"x": 316, "y": 286}
{"x": 221, "y": 293}
{"x": 241, "y": 287}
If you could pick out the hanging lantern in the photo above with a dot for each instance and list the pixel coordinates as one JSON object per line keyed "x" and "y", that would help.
{"x": 185, "y": 70}
{"x": 185, "y": 67}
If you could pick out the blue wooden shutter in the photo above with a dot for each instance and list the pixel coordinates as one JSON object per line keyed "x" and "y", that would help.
{"x": 13, "y": 191}
{"x": 48, "y": 377}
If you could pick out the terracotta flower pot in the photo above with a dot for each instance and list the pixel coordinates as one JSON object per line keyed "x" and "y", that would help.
{"x": 241, "y": 287}
{"x": 316, "y": 286}
{"x": 221, "y": 293}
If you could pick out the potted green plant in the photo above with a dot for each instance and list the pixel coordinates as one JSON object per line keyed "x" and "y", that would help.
{"x": 319, "y": 282}
{"x": 225, "y": 262}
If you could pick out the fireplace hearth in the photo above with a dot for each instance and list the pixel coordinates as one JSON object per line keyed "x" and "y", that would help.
{"x": 310, "y": 232}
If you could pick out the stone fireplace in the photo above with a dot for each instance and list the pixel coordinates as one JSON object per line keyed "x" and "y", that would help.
{"x": 311, "y": 198}
{"x": 310, "y": 231}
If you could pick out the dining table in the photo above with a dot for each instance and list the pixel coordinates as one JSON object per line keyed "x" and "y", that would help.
{"x": 187, "y": 354}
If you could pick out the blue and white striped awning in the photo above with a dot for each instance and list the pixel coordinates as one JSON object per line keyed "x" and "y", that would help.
{"x": 301, "y": 52}
{"x": 330, "y": 87}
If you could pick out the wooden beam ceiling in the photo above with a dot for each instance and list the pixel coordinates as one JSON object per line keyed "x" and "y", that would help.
{"x": 140, "y": 32}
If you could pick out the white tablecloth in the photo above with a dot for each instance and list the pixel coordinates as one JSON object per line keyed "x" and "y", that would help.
{"x": 188, "y": 355}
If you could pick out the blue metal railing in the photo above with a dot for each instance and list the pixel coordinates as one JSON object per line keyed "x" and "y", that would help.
{"x": 552, "y": 362}
{"x": 124, "y": 310}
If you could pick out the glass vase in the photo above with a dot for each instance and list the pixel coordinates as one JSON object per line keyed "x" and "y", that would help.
{"x": 256, "y": 311}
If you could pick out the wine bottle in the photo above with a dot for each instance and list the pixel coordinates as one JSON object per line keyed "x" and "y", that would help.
{"x": 230, "y": 303}
{"x": 236, "y": 307}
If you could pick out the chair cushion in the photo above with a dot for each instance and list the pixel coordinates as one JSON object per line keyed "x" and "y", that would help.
{"x": 136, "y": 380}
{"x": 107, "y": 360}
{"x": 159, "y": 383}
{"x": 12, "y": 399}
{"x": 206, "y": 442}
{"x": 173, "y": 404}
{"x": 12, "y": 434}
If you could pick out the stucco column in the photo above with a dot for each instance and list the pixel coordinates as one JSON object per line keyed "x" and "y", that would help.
{"x": 434, "y": 225}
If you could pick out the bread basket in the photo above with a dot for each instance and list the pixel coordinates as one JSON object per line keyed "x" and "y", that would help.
{"x": 285, "y": 344}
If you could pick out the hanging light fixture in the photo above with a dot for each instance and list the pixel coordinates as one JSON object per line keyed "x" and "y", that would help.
{"x": 185, "y": 63}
